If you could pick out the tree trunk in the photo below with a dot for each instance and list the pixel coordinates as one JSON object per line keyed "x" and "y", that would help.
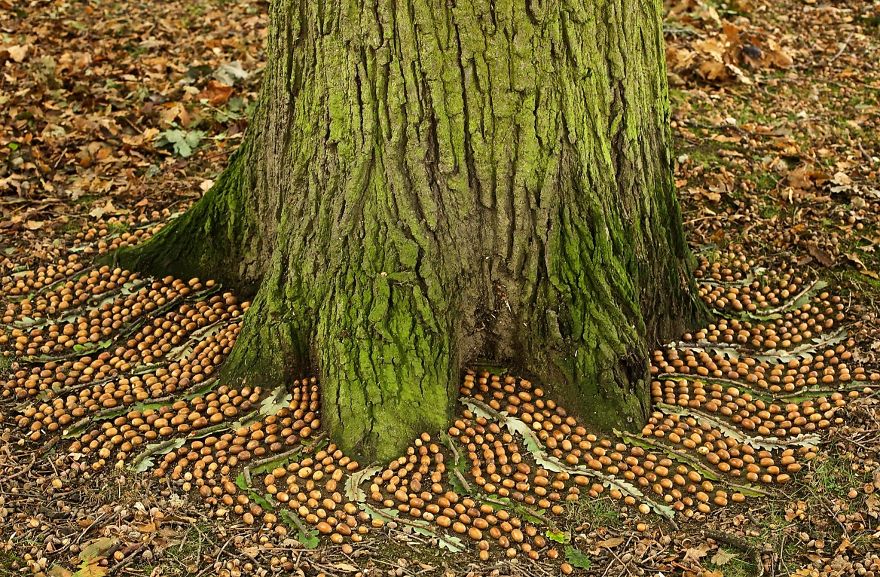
{"x": 428, "y": 183}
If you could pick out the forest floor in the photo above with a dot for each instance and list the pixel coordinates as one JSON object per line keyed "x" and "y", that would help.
{"x": 114, "y": 115}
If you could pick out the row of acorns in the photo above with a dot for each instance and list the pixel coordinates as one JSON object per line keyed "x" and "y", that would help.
{"x": 101, "y": 239}
{"x": 134, "y": 230}
{"x": 28, "y": 281}
{"x": 162, "y": 383}
{"x": 126, "y": 433}
{"x": 416, "y": 485}
{"x": 747, "y": 413}
{"x": 103, "y": 321}
{"x": 676, "y": 485}
{"x": 829, "y": 368}
{"x": 793, "y": 329}
{"x": 149, "y": 345}
{"x": 770, "y": 291}
{"x": 201, "y": 458}
{"x": 724, "y": 267}
{"x": 72, "y": 295}
{"x": 724, "y": 453}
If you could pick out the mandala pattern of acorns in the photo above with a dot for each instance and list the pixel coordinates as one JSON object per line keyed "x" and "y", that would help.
{"x": 123, "y": 367}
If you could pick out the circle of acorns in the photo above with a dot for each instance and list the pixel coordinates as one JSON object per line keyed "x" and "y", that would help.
{"x": 125, "y": 367}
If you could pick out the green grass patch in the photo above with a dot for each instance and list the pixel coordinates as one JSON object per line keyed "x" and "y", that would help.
{"x": 731, "y": 564}
{"x": 595, "y": 512}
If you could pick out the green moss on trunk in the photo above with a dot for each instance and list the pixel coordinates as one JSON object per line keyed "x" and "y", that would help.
{"x": 430, "y": 182}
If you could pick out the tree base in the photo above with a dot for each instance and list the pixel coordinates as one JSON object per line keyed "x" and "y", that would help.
{"x": 420, "y": 188}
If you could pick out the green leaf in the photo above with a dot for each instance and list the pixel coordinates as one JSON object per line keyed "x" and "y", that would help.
{"x": 145, "y": 459}
{"x": 274, "y": 464}
{"x": 262, "y": 501}
{"x": 182, "y": 142}
{"x": 577, "y": 557}
{"x": 307, "y": 537}
{"x": 559, "y": 536}
{"x": 279, "y": 399}
{"x": 353, "y": 491}
{"x": 458, "y": 465}
{"x": 376, "y": 514}
{"x": 96, "y": 549}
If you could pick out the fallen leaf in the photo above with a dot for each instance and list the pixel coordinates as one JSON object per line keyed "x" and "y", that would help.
{"x": 59, "y": 571}
{"x": 722, "y": 557}
{"x": 820, "y": 255}
{"x": 610, "y": 543}
{"x": 16, "y": 52}
{"x": 854, "y": 258}
{"x": 697, "y": 553}
{"x": 713, "y": 70}
{"x": 216, "y": 93}
{"x": 97, "y": 548}
{"x": 91, "y": 570}
{"x": 107, "y": 209}
{"x": 229, "y": 72}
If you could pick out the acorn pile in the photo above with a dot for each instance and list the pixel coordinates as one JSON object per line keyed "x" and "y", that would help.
{"x": 121, "y": 231}
{"x": 271, "y": 434}
{"x": 102, "y": 322}
{"x": 417, "y": 485}
{"x": 748, "y": 413}
{"x": 500, "y": 467}
{"x": 65, "y": 298}
{"x": 161, "y": 336}
{"x": 731, "y": 284}
{"x": 793, "y": 330}
{"x": 312, "y": 488}
{"x": 723, "y": 267}
{"x": 110, "y": 394}
{"x": 28, "y": 281}
{"x": 676, "y": 485}
{"x": 828, "y": 369}
{"x": 754, "y": 297}
{"x": 728, "y": 455}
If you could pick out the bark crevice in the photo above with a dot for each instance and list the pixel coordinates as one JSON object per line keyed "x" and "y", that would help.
{"x": 428, "y": 183}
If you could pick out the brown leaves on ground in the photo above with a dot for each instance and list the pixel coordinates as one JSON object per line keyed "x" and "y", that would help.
{"x": 88, "y": 88}
{"x": 719, "y": 49}
{"x": 785, "y": 155}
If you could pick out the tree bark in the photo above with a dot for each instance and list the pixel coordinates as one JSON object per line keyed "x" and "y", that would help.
{"x": 428, "y": 183}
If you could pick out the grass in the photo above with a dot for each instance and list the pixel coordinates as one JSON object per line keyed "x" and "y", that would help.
{"x": 10, "y": 563}
{"x": 736, "y": 566}
{"x": 595, "y": 512}
{"x": 833, "y": 478}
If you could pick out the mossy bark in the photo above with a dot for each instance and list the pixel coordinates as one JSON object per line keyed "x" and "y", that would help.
{"x": 430, "y": 182}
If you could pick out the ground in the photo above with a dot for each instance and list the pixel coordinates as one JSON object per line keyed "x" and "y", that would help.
{"x": 761, "y": 457}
